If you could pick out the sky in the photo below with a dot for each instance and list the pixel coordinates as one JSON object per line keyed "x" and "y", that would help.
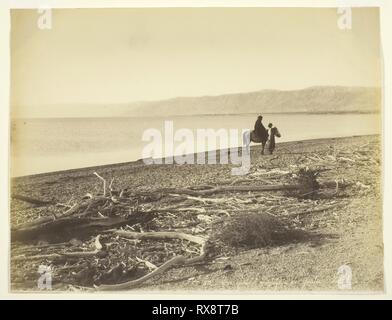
{"x": 92, "y": 56}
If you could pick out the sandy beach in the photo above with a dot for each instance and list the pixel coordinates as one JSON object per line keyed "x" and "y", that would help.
{"x": 347, "y": 222}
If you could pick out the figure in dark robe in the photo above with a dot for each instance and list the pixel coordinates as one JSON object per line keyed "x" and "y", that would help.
{"x": 261, "y": 133}
{"x": 273, "y": 132}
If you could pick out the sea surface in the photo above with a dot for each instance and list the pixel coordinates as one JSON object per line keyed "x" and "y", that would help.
{"x": 51, "y": 144}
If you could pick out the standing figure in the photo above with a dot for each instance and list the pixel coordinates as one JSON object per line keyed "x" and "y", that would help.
{"x": 261, "y": 133}
{"x": 273, "y": 132}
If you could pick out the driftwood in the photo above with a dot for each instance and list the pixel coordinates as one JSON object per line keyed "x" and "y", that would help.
{"x": 31, "y": 200}
{"x": 241, "y": 188}
{"x": 176, "y": 261}
{"x": 104, "y": 183}
{"x": 159, "y": 236}
{"x": 46, "y": 219}
{"x": 76, "y": 254}
{"x": 52, "y": 256}
{"x": 69, "y": 227}
{"x": 77, "y": 219}
{"x": 104, "y": 212}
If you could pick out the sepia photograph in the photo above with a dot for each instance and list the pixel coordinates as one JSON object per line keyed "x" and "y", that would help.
{"x": 196, "y": 149}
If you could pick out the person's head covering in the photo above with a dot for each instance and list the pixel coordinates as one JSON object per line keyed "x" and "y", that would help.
{"x": 260, "y": 117}
{"x": 270, "y": 125}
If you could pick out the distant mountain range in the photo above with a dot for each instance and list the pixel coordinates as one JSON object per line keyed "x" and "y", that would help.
{"x": 320, "y": 99}
{"x": 313, "y": 99}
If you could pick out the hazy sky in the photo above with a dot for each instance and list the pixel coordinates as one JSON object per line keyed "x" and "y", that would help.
{"x": 126, "y": 55}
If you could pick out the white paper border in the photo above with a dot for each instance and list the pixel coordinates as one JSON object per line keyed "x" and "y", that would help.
{"x": 386, "y": 45}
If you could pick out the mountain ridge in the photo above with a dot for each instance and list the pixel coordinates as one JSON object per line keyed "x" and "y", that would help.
{"x": 315, "y": 99}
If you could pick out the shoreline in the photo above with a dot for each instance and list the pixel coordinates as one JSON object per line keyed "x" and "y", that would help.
{"x": 140, "y": 162}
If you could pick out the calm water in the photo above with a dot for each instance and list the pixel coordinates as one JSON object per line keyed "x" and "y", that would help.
{"x": 44, "y": 145}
